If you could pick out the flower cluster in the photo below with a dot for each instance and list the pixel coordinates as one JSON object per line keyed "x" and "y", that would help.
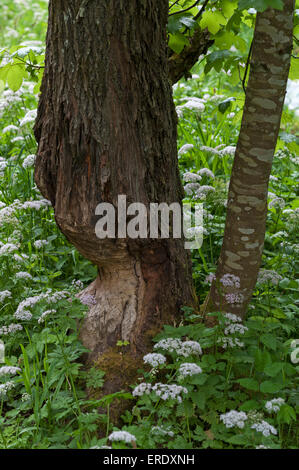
{"x": 189, "y": 368}
{"x": 169, "y": 392}
{"x": 23, "y": 275}
{"x": 9, "y": 370}
{"x": 265, "y": 428}
{"x": 4, "y": 295}
{"x": 274, "y": 405}
{"x": 230, "y": 280}
{"x": 142, "y": 389}
{"x": 122, "y": 436}
{"x": 185, "y": 148}
{"x": 88, "y": 299}
{"x": 182, "y": 348}
{"x": 4, "y": 388}
{"x": 268, "y": 276}
{"x": 191, "y": 177}
{"x": 234, "y": 418}
{"x": 154, "y": 359}
{"x": 44, "y": 315}
{"x": 160, "y": 431}
{"x": 29, "y": 161}
{"x": 12, "y": 328}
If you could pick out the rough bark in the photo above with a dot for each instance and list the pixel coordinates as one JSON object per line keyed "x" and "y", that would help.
{"x": 244, "y": 234}
{"x": 106, "y": 126}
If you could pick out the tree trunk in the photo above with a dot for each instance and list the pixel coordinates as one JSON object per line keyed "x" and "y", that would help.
{"x": 106, "y": 126}
{"x": 244, "y": 234}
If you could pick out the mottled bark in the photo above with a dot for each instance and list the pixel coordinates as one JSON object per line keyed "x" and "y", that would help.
{"x": 106, "y": 126}
{"x": 247, "y": 198}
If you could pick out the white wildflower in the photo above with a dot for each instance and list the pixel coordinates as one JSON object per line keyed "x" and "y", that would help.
{"x": 169, "y": 392}
{"x": 190, "y": 188}
{"x": 77, "y": 284}
{"x": 29, "y": 161}
{"x": 142, "y": 389}
{"x": 206, "y": 172}
{"x": 10, "y": 128}
{"x": 9, "y": 370}
{"x": 189, "y": 348}
{"x": 4, "y": 388}
{"x": 29, "y": 117}
{"x": 25, "y": 397}
{"x": 12, "y": 328}
{"x": 4, "y": 295}
{"x": 160, "y": 431}
{"x": 191, "y": 177}
{"x": 185, "y": 149}
{"x": 40, "y": 243}
{"x": 234, "y": 419}
{"x": 8, "y": 248}
{"x": 274, "y": 405}
{"x": 265, "y": 428}
{"x": 189, "y": 369}
{"x": 267, "y": 275}
{"x": 234, "y": 328}
{"x": 169, "y": 344}
{"x": 45, "y": 314}
{"x": 122, "y": 436}
{"x": 23, "y": 275}
{"x": 229, "y": 150}
{"x": 154, "y": 359}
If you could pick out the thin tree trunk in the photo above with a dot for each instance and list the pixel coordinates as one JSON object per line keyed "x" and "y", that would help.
{"x": 106, "y": 126}
{"x": 244, "y": 234}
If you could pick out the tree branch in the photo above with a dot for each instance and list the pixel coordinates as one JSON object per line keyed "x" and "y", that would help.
{"x": 179, "y": 65}
{"x": 186, "y": 9}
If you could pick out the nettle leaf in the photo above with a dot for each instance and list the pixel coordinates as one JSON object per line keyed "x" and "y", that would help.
{"x": 215, "y": 60}
{"x": 250, "y": 384}
{"x": 249, "y": 405}
{"x": 213, "y": 20}
{"x": 286, "y": 414}
{"x": 176, "y": 22}
{"x": 270, "y": 387}
{"x": 260, "y": 5}
{"x": 15, "y": 76}
{"x": 261, "y": 360}
{"x": 269, "y": 341}
{"x": 273, "y": 369}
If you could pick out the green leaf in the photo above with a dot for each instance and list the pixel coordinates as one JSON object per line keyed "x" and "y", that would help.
{"x": 249, "y": 405}
{"x": 261, "y": 359}
{"x": 226, "y": 104}
{"x": 270, "y": 387}
{"x": 239, "y": 439}
{"x": 213, "y": 20}
{"x": 260, "y": 5}
{"x": 273, "y": 369}
{"x": 251, "y": 384}
{"x": 177, "y": 42}
{"x": 286, "y": 414}
{"x": 269, "y": 341}
{"x": 15, "y": 77}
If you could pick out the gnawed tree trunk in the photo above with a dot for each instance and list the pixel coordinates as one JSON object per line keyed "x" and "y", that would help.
{"x": 244, "y": 234}
{"x": 106, "y": 126}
